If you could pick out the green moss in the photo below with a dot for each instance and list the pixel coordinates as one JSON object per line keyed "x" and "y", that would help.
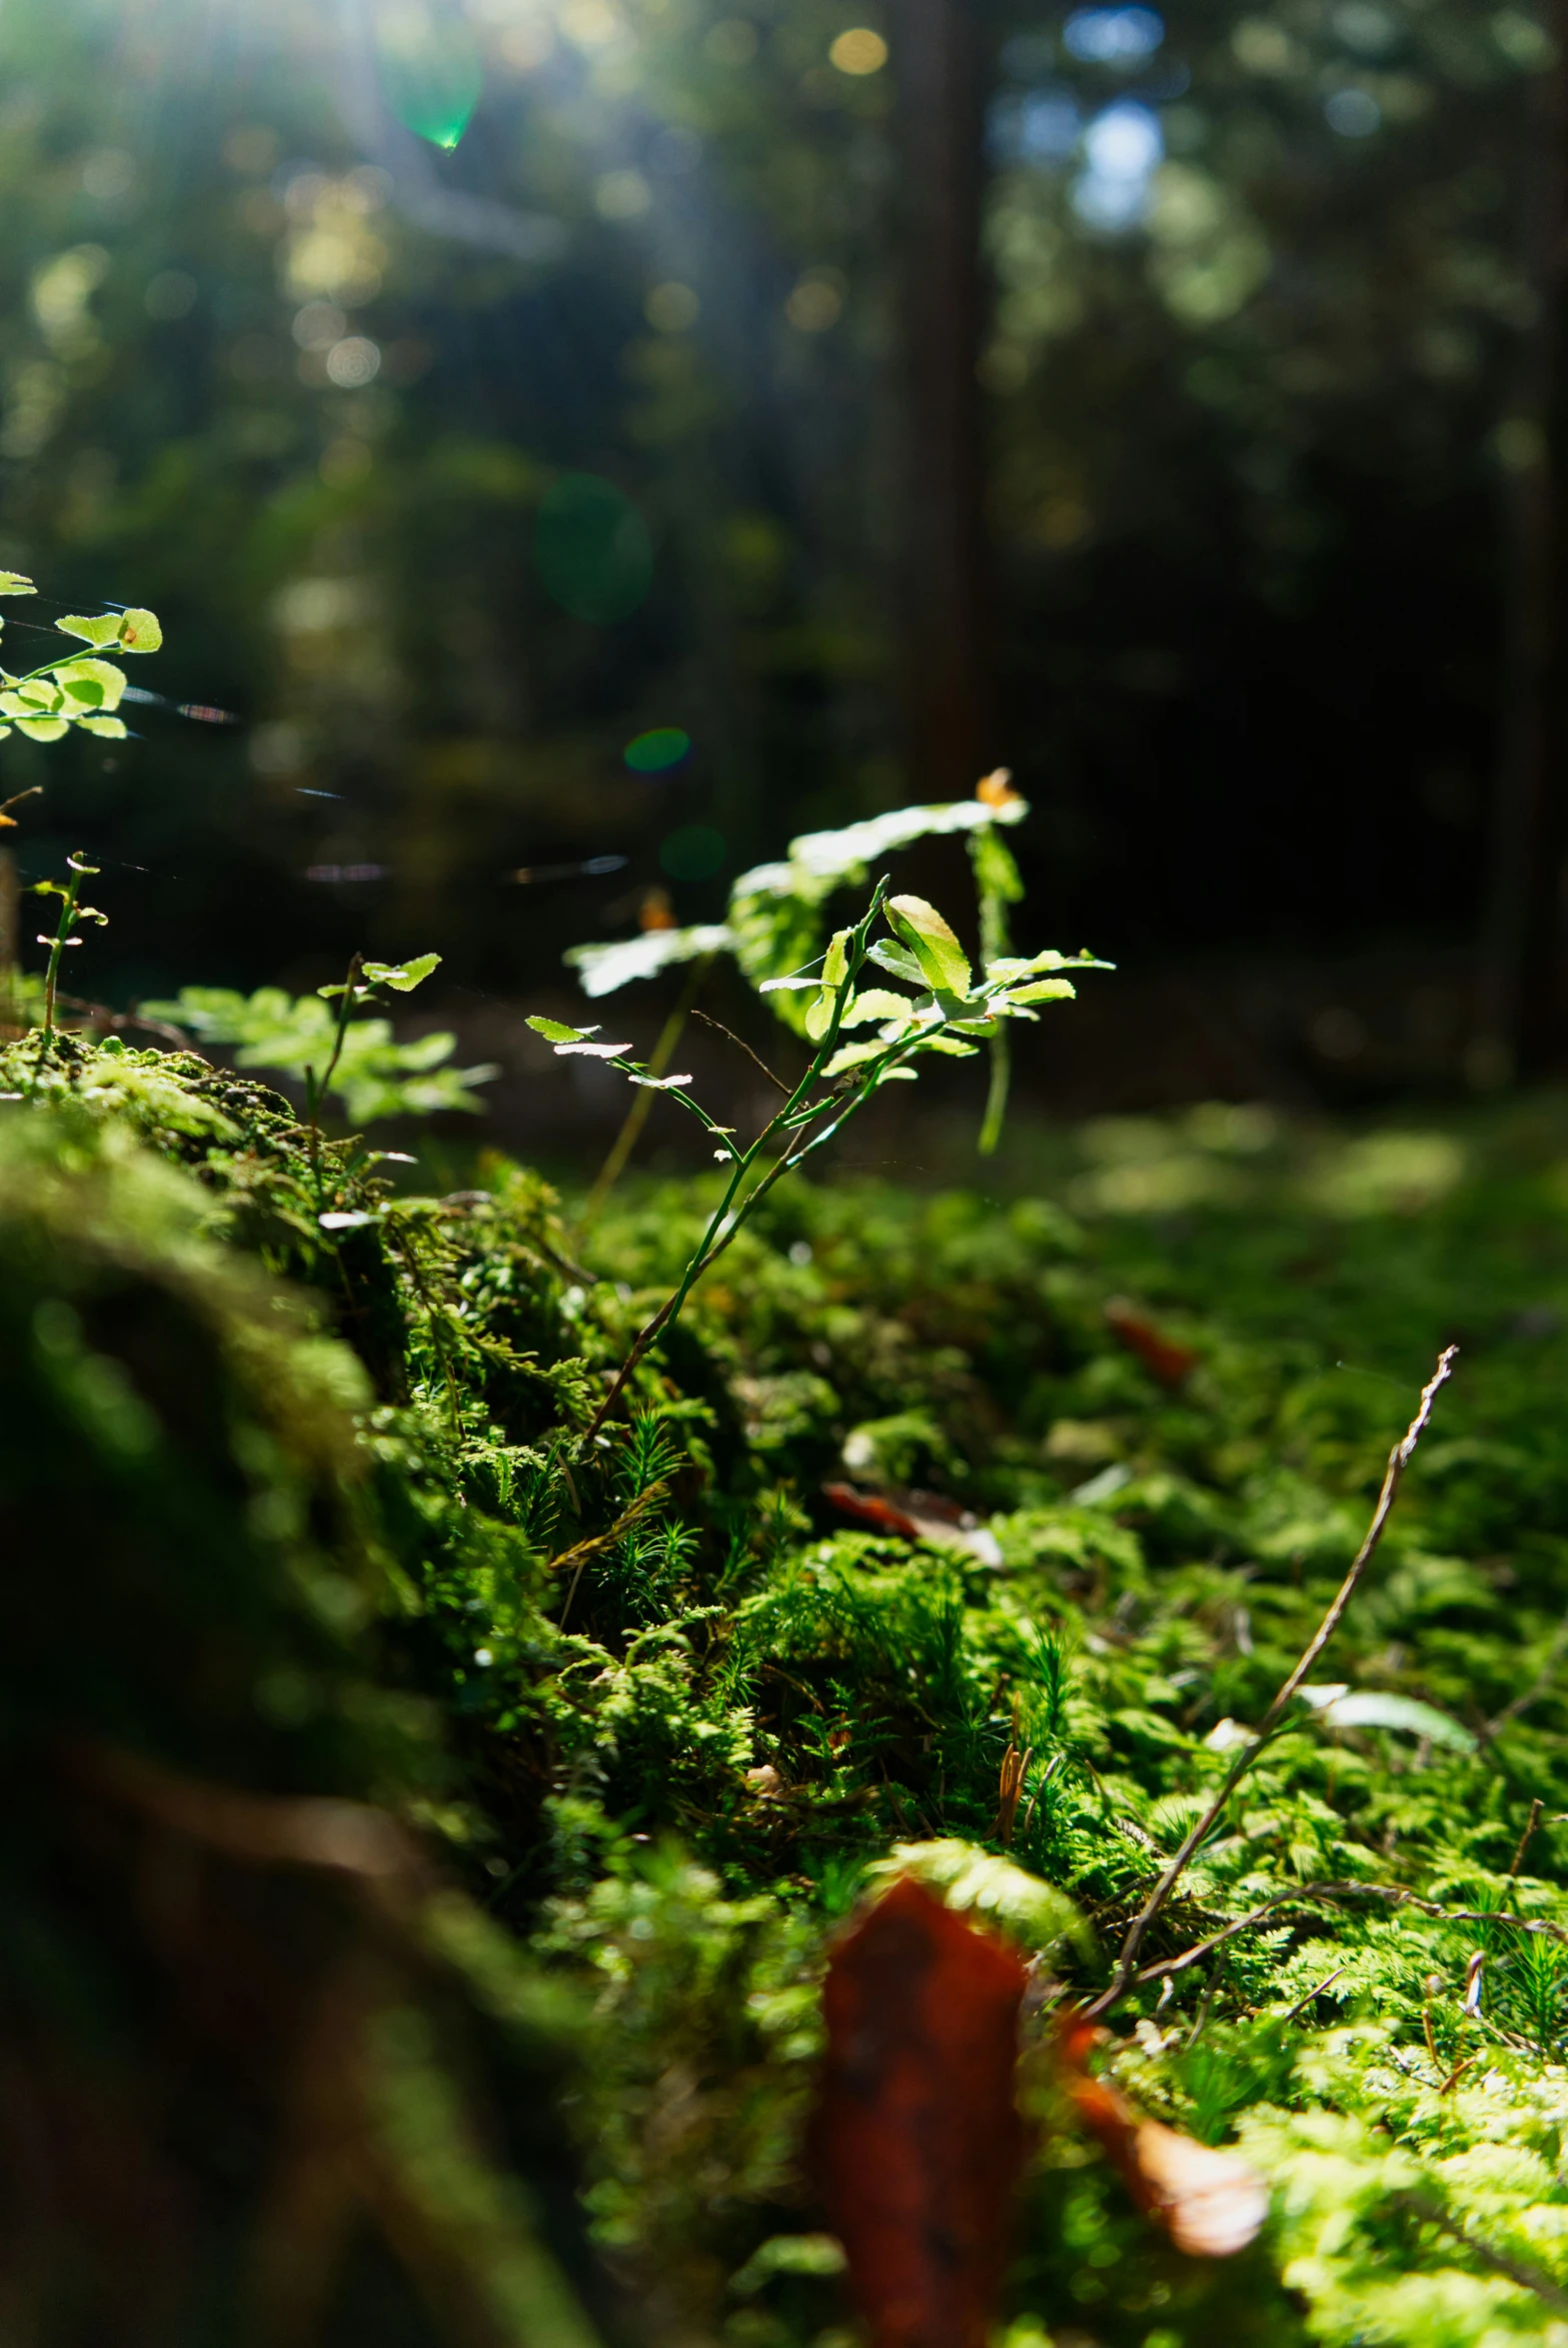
{"x": 665, "y": 1712}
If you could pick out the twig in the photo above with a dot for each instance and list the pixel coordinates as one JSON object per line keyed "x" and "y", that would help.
{"x": 1457, "y": 2073}
{"x": 1312, "y": 1995}
{"x": 1399, "y": 1460}
{"x": 1317, "y": 1891}
{"x": 742, "y": 1046}
{"x": 580, "y": 1552}
{"x": 1528, "y": 1836}
{"x": 1206, "y": 2004}
{"x": 1533, "y": 1694}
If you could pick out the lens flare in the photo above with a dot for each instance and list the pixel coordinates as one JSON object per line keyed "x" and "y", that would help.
{"x": 429, "y": 69}
{"x": 658, "y": 751}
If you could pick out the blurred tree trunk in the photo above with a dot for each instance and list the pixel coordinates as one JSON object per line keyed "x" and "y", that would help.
{"x": 1523, "y": 1024}
{"x": 944, "y": 616}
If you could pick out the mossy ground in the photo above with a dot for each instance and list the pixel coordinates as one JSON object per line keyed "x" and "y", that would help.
{"x": 670, "y": 1707}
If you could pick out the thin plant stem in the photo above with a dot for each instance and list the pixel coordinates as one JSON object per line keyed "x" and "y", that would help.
{"x": 742, "y": 1044}
{"x": 56, "y": 949}
{"x": 314, "y": 1093}
{"x": 728, "y": 1215}
{"x": 1399, "y": 1460}
{"x": 637, "y": 1115}
{"x": 996, "y": 1094}
{"x": 71, "y": 910}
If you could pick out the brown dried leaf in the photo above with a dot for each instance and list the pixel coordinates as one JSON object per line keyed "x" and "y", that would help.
{"x": 917, "y": 2138}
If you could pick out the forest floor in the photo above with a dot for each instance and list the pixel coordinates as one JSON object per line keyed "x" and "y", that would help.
{"x": 937, "y": 1493}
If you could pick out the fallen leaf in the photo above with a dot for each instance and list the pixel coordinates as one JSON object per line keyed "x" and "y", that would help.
{"x": 1160, "y": 1356}
{"x": 917, "y": 2139}
{"x": 1210, "y": 2203}
{"x": 917, "y": 1516}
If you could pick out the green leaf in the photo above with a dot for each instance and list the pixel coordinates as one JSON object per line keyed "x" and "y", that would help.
{"x": 42, "y": 729}
{"x": 97, "y": 685}
{"x": 556, "y": 1032}
{"x": 996, "y": 870}
{"x": 109, "y": 729}
{"x": 1367, "y": 1708}
{"x": 602, "y": 970}
{"x": 104, "y": 630}
{"x": 852, "y": 1055}
{"x": 836, "y": 967}
{"x": 889, "y": 956}
{"x": 402, "y": 977}
{"x": 877, "y": 1002}
{"x": 942, "y": 959}
{"x": 140, "y": 632}
{"x": 1043, "y": 990}
{"x": 13, "y": 583}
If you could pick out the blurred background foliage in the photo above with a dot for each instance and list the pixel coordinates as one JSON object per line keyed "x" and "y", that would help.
{"x": 559, "y": 432}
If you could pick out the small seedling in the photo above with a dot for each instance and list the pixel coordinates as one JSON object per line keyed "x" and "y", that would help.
{"x": 776, "y": 918}
{"x": 952, "y": 1013}
{"x": 72, "y": 910}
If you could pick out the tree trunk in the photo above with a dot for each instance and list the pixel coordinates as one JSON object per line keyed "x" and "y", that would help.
{"x": 944, "y": 616}
{"x": 1523, "y": 1022}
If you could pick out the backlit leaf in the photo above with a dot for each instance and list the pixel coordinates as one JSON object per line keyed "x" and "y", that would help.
{"x": 929, "y": 938}
{"x": 557, "y": 1030}
{"x": 401, "y": 977}
{"x": 102, "y": 630}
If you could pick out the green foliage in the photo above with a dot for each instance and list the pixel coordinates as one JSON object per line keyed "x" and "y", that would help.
{"x": 690, "y": 1717}
{"x": 374, "y": 1075}
{"x": 225, "y": 1968}
{"x": 774, "y": 922}
{"x": 47, "y": 702}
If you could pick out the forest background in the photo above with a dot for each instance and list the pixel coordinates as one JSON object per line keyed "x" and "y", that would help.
{"x": 453, "y": 1705}
{"x": 1160, "y": 403}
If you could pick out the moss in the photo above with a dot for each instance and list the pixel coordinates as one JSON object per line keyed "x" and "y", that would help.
{"x": 663, "y": 1709}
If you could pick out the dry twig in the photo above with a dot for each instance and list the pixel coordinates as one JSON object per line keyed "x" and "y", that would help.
{"x": 1399, "y": 1460}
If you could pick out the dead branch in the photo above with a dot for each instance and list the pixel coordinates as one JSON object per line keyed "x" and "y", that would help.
{"x": 1399, "y": 1460}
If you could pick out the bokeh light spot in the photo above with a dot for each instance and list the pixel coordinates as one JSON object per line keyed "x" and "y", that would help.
{"x": 429, "y": 69}
{"x": 731, "y": 41}
{"x": 671, "y": 308}
{"x": 1114, "y": 36}
{"x": 1355, "y": 114}
{"x": 591, "y": 549}
{"x": 858, "y": 50}
{"x": 655, "y": 752}
{"x": 354, "y": 360}
{"x": 621, "y": 195}
{"x": 694, "y": 853}
{"x": 170, "y": 295}
{"x": 318, "y": 325}
{"x": 1121, "y": 148}
{"x": 816, "y": 302}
